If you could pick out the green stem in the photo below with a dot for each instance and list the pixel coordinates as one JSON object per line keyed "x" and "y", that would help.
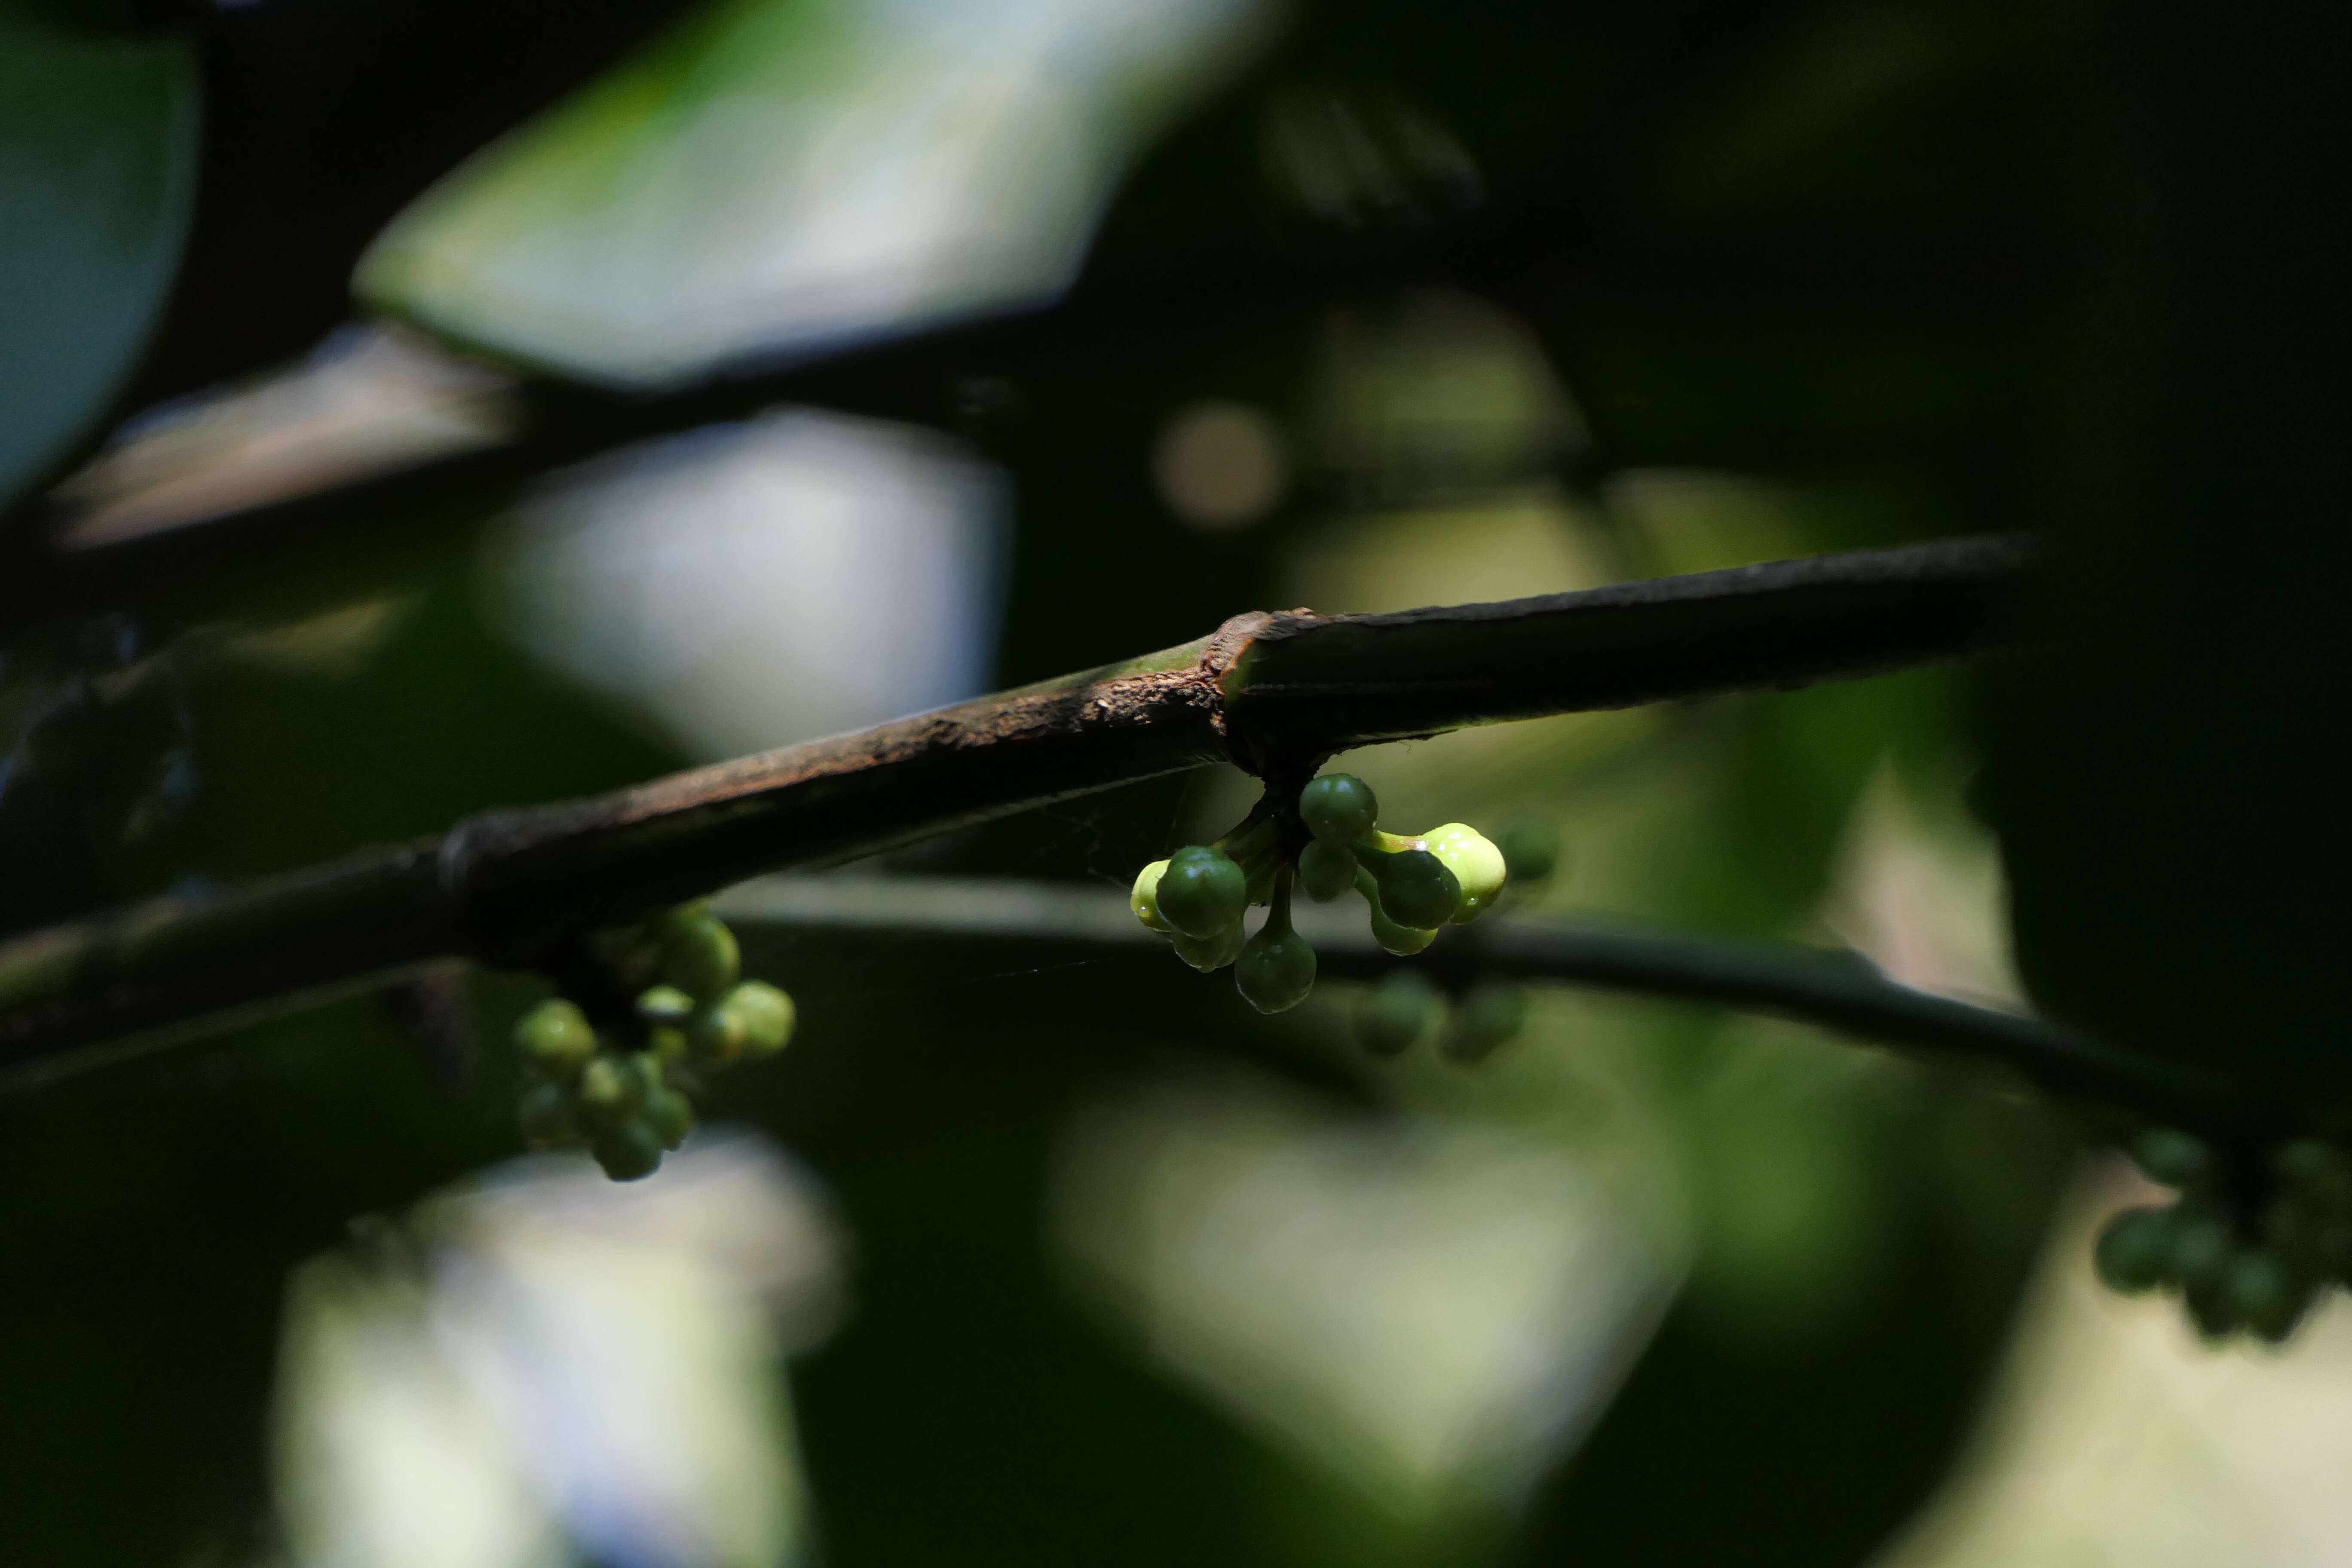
{"x": 1840, "y": 992}
{"x": 1277, "y": 918}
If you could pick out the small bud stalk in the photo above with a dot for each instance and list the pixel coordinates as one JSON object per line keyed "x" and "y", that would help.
{"x": 1276, "y": 968}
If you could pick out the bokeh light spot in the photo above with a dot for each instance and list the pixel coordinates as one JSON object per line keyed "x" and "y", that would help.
{"x": 1220, "y": 465}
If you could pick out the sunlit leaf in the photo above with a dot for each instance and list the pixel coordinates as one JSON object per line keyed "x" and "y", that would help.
{"x": 783, "y": 176}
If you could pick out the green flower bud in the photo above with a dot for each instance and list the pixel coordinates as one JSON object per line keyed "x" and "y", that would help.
{"x": 1275, "y": 969}
{"x": 700, "y": 956}
{"x": 676, "y": 920}
{"x": 1326, "y": 870}
{"x": 1337, "y": 808}
{"x": 1486, "y": 1016}
{"x": 2172, "y": 1157}
{"x": 719, "y": 1035}
{"x": 1530, "y": 850}
{"x": 1208, "y": 954}
{"x": 613, "y": 1087}
{"x": 1392, "y": 1015}
{"x": 545, "y": 1117}
{"x": 2201, "y": 1246}
{"x": 768, "y": 1014}
{"x": 2211, "y": 1308}
{"x": 1477, "y": 867}
{"x": 2263, "y": 1294}
{"x": 1203, "y": 891}
{"x": 2135, "y": 1249}
{"x": 664, "y": 1005}
{"x": 1416, "y": 889}
{"x": 555, "y": 1039}
{"x": 670, "y": 1115}
{"x": 667, "y": 1044}
{"x": 628, "y": 1149}
{"x": 1401, "y": 940}
{"x": 1144, "y": 897}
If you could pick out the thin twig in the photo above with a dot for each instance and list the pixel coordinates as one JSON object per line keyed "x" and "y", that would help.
{"x": 1832, "y": 989}
{"x": 1264, "y": 690}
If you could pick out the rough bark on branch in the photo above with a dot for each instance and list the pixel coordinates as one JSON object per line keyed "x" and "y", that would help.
{"x": 1264, "y": 689}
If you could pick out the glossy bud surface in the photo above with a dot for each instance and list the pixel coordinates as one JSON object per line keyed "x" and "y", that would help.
{"x": 1417, "y": 890}
{"x": 1338, "y": 807}
{"x": 1401, "y": 940}
{"x": 1326, "y": 870}
{"x": 1203, "y": 891}
{"x": 700, "y": 956}
{"x": 768, "y": 1016}
{"x": 555, "y": 1039}
{"x": 1275, "y": 970}
{"x": 1208, "y": 954}
{"x": 1477, "y": 867}
{"x": 1144, "y": 897}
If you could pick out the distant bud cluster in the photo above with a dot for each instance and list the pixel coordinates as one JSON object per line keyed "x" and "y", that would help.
{"x": 2248, "y": 1244}
{"x": 1326, "y": 843}
{"x": 620, "y": 1086}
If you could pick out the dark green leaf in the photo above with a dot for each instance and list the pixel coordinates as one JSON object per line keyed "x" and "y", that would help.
{"x": 98, "y": 155}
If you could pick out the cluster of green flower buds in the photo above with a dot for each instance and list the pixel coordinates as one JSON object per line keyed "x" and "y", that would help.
{"x": 1325, "y": 844}
{"x": 620, "y": 1086}
{"x": 2248, "y": 1244}
{"x": 1396, "y": 1011}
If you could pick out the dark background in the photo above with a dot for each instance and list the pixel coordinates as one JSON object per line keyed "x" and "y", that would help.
{"x": 2071, "y": 269}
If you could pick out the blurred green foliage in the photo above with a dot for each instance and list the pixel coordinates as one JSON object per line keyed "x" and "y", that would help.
{"x": 1811, "y": 276}
{"x": 98, "y": 156}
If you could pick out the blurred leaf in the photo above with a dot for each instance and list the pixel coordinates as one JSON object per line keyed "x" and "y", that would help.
{"x": 783, "y": 176}
{"x": 98, "y": 155}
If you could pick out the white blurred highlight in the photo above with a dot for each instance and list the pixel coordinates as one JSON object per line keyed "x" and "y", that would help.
{"x": 757, "y": 584}
{"x": 561, "y": 1363}
{"x": 800, "y": 173}
{"x": 1917, "y": 888}
{"x": 367, "y": 401}
{"x": 1432, "y": 1310}
{"x": 2117, "y": 1440}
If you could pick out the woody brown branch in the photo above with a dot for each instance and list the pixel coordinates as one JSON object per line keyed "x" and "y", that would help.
{"x": 1263, "y": 691}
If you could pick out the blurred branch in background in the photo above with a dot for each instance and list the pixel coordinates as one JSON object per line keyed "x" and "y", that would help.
{"x": 1841, "y": 991}
{"x": 510, "y": 886}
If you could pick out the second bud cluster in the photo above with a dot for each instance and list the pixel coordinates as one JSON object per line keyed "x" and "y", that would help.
{"x": 675, "y": 1009}
{"x": 1326, "y": 843}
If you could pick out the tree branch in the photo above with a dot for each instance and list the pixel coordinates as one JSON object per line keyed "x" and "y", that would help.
{"x": 1838, "y": 990}
{"x": 504, "y": 886}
